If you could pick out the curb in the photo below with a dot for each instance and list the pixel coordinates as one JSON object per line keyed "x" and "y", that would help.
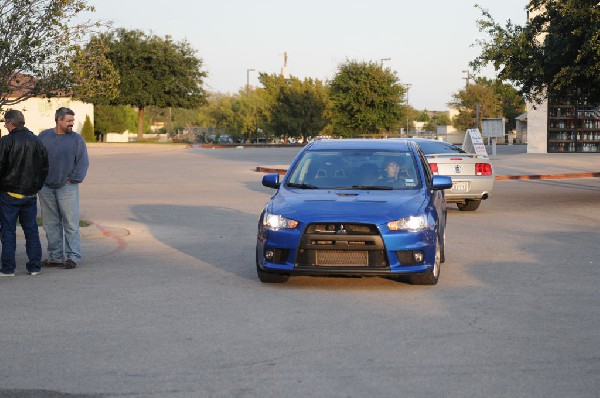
{"x": 262, "y": 169}
{"x": 547, "y": 176}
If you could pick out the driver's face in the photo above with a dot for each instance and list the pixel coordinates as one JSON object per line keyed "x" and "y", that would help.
{"x": 392, "y": 169}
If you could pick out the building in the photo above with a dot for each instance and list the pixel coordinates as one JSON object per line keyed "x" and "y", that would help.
{"x": 565, "y": 122}
{"x": 39, "y": 112}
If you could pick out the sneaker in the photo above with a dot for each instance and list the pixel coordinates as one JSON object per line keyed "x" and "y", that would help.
{"x": 3, "y": 274}
{"x": 34, "y": 273}
{"x": 47, "y": 263}
{"x": 70, "y": 264}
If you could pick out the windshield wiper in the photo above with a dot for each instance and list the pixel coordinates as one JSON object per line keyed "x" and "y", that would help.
{"x": 366, "y": 187}
{"x": 301, "y": 186}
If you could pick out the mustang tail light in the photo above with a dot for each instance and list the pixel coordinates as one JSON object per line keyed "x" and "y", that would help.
{"x": 483, "y": 169}
{"x": 433, "y": 167}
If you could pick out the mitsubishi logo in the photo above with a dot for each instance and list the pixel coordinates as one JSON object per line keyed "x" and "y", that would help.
{"x": 458, "y": 168}
{"x": 339, "y": 230}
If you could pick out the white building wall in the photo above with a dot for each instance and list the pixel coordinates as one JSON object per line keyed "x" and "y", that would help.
{"x": 537, "y": 128}
{"x": 118, "y": 137}
{"x": 39, "y": 112}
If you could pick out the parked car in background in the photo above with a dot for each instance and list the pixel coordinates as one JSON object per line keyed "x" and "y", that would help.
{"x": 354, "y": 207}
{"x": 472, "y": 174}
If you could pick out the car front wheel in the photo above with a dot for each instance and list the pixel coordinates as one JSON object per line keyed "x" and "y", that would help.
{"x": 469, "y": 205}
{"x": 431, "y": 276}
{"x": 269, "y": 277}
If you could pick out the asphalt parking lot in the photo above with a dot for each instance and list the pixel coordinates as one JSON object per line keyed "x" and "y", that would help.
{"x": 167, "y": 303}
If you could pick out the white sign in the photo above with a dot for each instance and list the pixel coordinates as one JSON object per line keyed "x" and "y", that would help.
{"x": 492, "y": 127}
{"x": 473, "y": 143}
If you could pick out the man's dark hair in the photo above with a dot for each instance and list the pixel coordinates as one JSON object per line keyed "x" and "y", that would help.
{"x": 62, "y": 112}
{"x": 15, "y": 118}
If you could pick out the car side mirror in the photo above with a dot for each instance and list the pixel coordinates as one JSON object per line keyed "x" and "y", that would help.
{"x": 441, "y": 182}
{"x": 271, "y": 180}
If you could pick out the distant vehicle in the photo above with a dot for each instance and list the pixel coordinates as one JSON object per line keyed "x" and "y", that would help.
{"x": 354, "y": 207}
{"x": 225, "y": 139}
{"x": 472, "y": 175}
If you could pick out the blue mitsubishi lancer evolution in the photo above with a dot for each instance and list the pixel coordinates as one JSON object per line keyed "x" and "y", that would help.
{"x": 364, "y": 207}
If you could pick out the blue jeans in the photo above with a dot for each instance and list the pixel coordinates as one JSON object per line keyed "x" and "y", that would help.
{"x": 60, "y": 217}
{"x": 25, "y": 210}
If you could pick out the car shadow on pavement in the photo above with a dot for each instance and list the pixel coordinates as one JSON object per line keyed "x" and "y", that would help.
{"x": 221, "y": 237}
{"x": 226, "y": 240}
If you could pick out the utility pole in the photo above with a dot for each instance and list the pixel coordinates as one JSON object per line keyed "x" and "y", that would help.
{"x": 284, "y": 68}
{"x": 468, "y": 78}
{"x": 248, "y": 80}
{"x": 384, "y": 59}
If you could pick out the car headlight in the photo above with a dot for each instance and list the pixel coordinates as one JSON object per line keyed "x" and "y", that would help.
{"x": 275, "y": 222}
{"x": 412, "y": 223}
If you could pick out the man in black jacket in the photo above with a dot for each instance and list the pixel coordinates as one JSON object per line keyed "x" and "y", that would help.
{"x": 23, "y": 169}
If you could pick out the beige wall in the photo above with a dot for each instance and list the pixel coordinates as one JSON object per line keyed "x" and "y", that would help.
{"x": 39, "y": 112}
{"x": 537, "y": 128}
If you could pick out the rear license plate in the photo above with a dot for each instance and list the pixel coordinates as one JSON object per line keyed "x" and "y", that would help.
{"x": 462, "y": 186}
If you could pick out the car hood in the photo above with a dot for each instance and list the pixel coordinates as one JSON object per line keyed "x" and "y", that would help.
{"x": 369, "y": 206}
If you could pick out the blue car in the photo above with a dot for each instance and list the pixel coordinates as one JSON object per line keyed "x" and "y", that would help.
{"x": 354, "y": 208}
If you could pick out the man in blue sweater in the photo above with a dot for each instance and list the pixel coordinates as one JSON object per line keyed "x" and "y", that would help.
{"x": 59, "y": 198}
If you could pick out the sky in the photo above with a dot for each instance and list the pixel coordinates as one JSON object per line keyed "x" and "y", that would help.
{"x": 429, "y": 43}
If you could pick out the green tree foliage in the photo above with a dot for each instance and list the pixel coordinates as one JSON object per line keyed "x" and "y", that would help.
{"x": 94, "y": 77}
{"x": 241, "y": 114}
{"x": 87, "y": 131}
{"x": 366, "y": 99}
{"x": 298, "y": 107}
{"x": 494, "y": 98}
{"x": 154, "y": 72}
{"x": 114, "y": 119}
{"x": 558, "y": 49}
{"x": 434, "y": 119}
{"x": 36, "y": 46}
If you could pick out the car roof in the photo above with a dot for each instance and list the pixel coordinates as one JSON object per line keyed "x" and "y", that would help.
{"x": 377, "y": 144}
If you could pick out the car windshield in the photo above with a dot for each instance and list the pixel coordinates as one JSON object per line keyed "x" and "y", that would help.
{"x": 438, "y": 147}
{"x": 355, "y": 169}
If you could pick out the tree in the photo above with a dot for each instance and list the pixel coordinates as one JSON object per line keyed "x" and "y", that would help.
{"x": 114, "y": 119}
{"x": 298, "y": 107}
{"x": 154, "y": 72}
{"x": 481, "y": 94}
{"x": 366, "y": 99}
{"x": 94, "y": 78}
{"x": 36, "y": 45}
{"x": 87, "y": 131}
{"x": 558, "y": 49}
{"x": 495, "y": 99}
{"x": 238, "y": 114}
{"x": 512, "y": 103}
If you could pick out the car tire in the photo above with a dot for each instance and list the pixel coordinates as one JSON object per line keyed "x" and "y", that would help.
{"x": 269, "y": 277}
{"x": 443, "y": 248}
{"x": 431, "y": 276}
{"x": 469, "y": 205}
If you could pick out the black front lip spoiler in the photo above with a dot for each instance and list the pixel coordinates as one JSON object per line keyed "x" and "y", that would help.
{"x": 341, "y": 271}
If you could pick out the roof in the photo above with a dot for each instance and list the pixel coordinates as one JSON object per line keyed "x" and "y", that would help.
{"x": 377, "y": 144}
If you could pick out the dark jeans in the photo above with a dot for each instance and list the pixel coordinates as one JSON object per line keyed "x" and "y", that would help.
{"x": 25, "y": 210}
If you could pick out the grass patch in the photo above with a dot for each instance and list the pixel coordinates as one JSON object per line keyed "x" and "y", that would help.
{"x": 82, "y": 223}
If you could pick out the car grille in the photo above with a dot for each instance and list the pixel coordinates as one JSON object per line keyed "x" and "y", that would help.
{"x": 341, "y": 245}
{"x": 346, "y": 258}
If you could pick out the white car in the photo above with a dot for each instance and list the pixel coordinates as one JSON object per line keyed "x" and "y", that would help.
{"x": 472, "y": 174}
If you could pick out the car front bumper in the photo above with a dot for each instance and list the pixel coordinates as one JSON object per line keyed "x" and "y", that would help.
{"x": 293, "y": 252}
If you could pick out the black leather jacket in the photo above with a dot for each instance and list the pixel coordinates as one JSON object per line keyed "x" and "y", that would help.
{"x": 23, "y": 162}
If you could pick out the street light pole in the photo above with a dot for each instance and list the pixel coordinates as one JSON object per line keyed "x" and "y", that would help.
{"x": 248, "y": 80}
{"x": 407, "y": 85}
{"x": 383, "y": 59}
